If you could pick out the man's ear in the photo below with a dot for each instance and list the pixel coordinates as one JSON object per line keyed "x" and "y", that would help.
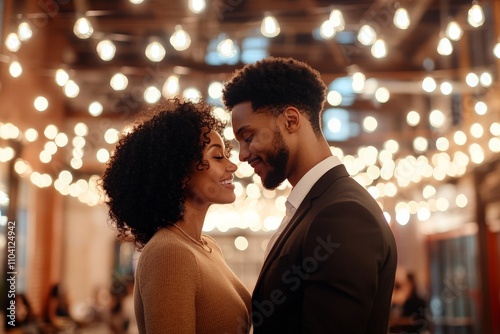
{"x": 293, "y": 118}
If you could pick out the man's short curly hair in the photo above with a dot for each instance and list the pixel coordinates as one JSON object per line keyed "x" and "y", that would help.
{"x": 146, "y": 176}
{"x": 273, "y": 83}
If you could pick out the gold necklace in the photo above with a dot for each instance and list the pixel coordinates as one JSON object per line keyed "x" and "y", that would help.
{"x": 202, "y": 243}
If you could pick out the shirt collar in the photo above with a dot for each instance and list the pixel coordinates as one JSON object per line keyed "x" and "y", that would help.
{"x": 307, "y": 181}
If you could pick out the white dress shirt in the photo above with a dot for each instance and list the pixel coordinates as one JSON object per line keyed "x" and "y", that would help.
{"x": 298, "y": 194}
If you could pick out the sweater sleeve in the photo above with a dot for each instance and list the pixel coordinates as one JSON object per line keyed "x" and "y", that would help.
{"x": 168, "y": 281}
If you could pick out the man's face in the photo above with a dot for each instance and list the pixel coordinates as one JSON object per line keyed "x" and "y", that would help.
{"x": 261, "y": 144}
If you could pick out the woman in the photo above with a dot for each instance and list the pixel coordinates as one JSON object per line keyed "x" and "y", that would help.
{"x": 160, "y": 182}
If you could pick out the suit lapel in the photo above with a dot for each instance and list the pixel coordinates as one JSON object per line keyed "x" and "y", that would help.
{"x": 319, "y": 188}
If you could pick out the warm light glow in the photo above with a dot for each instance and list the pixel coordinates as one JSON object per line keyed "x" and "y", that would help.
{"x": 420, "y": 144}
{"x": 71, "y": 89}
{"x": 12, "y": 42}
{"x": 83, "y": 28}
{"x": 446, "y": 88}
{"x": 102, "y": 155}
{"x": 358, "y": 82}
{"x": 215, "y": 90}
{"x": 241, "y": 243}
{"x": 494, "y": 145}
{"x": 442, "y": 144}
{"x": 41, "y": 103}
{"x": 436, "y": 118}
{"x": 31, "y": 135}
{"x": 170, "y": 87}
{"x": 334, "y": 98}
{"x": 454, "y": 31}
{"x": 337, "y": 19}
{"x": 24, "y": 31}
{"x": 382, "y": 95}
{"x": 481, "y": 108}
{"x": 429, "y": 84}
{"x": 401, "y": 18}
{"x": 50, "y": 131}
{"x": 270, "y": 26}
{"x": 61, "y": 77}
{"x": 392, "y": 146}
{"x": 61, "y": 139}
{"x": 461, "y": 201}
{"x": 326, "y": 30}
{"x": 486, "y": 79}
{"x": 476, "y": 153}
{"x": 152, "y": 94}
{"x": 428, "y": 191}
{"x": 95, "y": 108}
{"x": 118, "y": 82}
{"x": 370, "y": 124}
{"x": 379, "y": 49}
{"x": 367, "y": 35}
{"x": 413, "y": 118}
{"x": 111, "y": 136}
{"x": 197, "y": 6}
{"x": 192, "y": 94}
{"x": 106, "y": 50}
{"x": 15, "y": 69}
{"x": 495, "y": 129}
{"x": 460, "y": 138}
{"x": 444, "y": 48}
{"x": 403, "y": 216}
{"x": 472, "y": 80}
{"x": 476, "y": 130}
{"x": 227, "y": 48}
{"x": 475, "y": 16}
{"x": 155, "y": 51}
{"x": 180, "y": 39}
{"x": 496, "y": 50}
{"x": 81, "y": 129}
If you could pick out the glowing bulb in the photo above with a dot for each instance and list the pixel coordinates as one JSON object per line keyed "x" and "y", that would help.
{"x": 454, "y": 31}
{"x": 334, "y": 98}
{"x": 472, "y": 79}
{"x": 337, "y": 20}
{"x": 12, "y": 42}
{"x": 327, "y": 31}
{"x": 481, "y": 108}
{"x": 401, "y": 18}
{"x": 429, "y": 84}
{"x": 379, "y": 49}
{"x": 118, "y": 82}
{"x": 71, "y": 89}
{"x": 197, "y": 6}
{"x": 24, "y": 31}
{"x": 226, "y": 48}
{"x": 370, "y": 124}
{"x": 106, "y": 50}
{"x": 61, "y": 77}
{"x": 446, "y": 88}
{"x": 171, "y": 86}
{"x": 83, "y": 28}
{"x": 367, "y": 35}
{"x": 444, "y": 47}
{"x": 270, "y": 26}
{"x": 413, "y": 118}
{"x": 180, "y": 39}
{"x": 41, "y": 103}
{"x": 436, "y": 118}
{"x": 15, "y": 69}
{"x": 155, "y": 51}
{"x": 382, "y": 95}
{"x": 95, "y": 108}
{"x": 496, "y": 50}
{"x": 152, "y": 94}
{"x": 475, "y": 16}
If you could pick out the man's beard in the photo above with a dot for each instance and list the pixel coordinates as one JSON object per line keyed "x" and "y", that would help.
{"x": 278, "y": 161}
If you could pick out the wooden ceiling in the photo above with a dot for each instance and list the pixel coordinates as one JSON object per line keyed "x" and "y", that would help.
{"x": 131, "y": 26}
{"x": 411, "y": 53}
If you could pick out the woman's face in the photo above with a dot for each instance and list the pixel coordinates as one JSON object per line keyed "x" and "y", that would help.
{"x": 215, "y": 184}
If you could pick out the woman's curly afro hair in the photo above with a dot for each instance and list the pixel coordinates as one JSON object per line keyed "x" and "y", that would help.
{"x": 274, "y": 83}
{"x": 145, "y": 178}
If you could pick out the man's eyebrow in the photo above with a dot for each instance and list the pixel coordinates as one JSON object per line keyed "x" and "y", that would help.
{"x": 240, "y": 130}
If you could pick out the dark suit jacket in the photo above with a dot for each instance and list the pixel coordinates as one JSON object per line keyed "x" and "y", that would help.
{"x": 332, "y": 269}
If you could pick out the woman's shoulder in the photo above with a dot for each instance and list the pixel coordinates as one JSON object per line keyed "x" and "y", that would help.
{"x": 166, "y": 243}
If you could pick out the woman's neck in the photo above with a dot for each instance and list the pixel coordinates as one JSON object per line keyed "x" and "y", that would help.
{"x": 194, "y": 217}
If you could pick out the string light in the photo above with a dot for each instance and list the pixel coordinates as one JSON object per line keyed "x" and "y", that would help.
{"x": 379, "y": 49}
{"x": 83, "y": 28}
{"x": 270, "y": 26}
{"x": 155, "y": 51}
{"x": 475, "y": 15}
{"x": 401, "y": 18}
{"x": 454, "y": 31}
{"x": 180, "y": 39}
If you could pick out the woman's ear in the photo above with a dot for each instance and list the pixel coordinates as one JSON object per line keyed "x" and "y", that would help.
{"x": 292, "y": 117}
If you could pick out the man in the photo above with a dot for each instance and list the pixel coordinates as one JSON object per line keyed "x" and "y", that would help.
{"x": 331, "y": 264}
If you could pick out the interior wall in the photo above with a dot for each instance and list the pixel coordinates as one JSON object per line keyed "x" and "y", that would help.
{"x": 88, "y": 243}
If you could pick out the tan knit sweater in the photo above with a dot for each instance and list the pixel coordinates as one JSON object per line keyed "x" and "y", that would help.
{"x": 182, "y": 288}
